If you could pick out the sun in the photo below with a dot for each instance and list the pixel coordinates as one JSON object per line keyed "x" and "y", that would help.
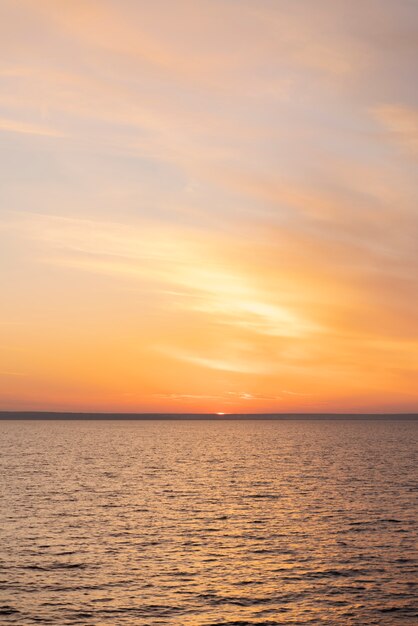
{"x": 220, "y": 413}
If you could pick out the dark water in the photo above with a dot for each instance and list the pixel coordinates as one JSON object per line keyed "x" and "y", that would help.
{"x": 208, "y": 523}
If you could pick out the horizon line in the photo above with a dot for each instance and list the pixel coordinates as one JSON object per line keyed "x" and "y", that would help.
{"x": 10, "y": 414}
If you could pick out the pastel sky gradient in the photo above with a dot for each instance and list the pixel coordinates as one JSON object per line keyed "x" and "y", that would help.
{"x": 209, "y": 205}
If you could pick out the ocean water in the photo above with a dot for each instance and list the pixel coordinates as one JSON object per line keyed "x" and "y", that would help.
{"x": 198, "y": 523}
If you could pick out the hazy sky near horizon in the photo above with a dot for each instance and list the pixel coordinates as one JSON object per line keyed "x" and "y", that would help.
{"x": 209, "y": 205}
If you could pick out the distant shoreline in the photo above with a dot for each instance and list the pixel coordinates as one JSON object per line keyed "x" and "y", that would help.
{"x": 67, "y": 415}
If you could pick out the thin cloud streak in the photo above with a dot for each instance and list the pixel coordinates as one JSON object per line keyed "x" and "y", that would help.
{"x": 14, "y": 126}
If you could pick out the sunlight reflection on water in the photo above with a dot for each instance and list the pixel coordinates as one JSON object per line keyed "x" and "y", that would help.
{"x": 205, "y": 522}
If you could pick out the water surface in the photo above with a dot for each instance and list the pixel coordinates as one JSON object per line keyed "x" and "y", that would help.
{"x": 208, "y": 523}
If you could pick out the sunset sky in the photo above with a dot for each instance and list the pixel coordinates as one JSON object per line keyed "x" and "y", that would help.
{"x": 209, "y": 205}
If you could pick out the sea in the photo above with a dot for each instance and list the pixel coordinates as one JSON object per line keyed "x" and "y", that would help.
{"x": 209, "y": 522}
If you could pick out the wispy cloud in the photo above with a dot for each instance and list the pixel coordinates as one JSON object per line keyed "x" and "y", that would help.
{"x": 401, "y": 123}
{"x": 12, "y": 374}
{"x": 168, "y": 257}
{"x": 24, "y": 128}
{"x": 240, "y": 365}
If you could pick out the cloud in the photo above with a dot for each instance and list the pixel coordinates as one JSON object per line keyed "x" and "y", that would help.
{"x": 166, "y": 257}
{"x": 12, "y": 374}
{"x": 240, "y": 365}
{"x": 401, "y": 124}
{"x": 14, "y": 126}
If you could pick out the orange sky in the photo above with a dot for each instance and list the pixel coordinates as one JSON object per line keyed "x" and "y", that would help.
{"x": 208, "y": 205}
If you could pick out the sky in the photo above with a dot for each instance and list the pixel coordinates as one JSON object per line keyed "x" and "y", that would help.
{"x": 209, "y": 205}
